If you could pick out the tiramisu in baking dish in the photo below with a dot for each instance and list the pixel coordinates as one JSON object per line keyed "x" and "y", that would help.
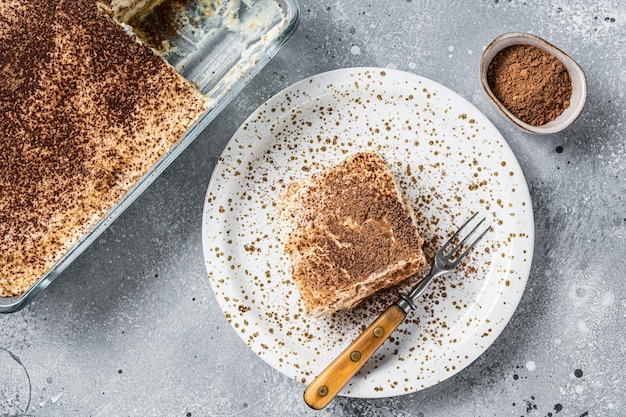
{"x": 87, "y": 109}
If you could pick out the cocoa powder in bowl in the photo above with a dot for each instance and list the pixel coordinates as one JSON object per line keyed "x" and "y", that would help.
{"x": 531, "y": 83}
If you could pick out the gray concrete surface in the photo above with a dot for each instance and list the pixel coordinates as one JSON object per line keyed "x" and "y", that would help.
{"x": 132, "y": 327}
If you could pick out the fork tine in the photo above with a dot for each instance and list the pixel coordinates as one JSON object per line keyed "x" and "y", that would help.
{"x": 460, "y": 244}
{"x": 471, "y": 245}
{"x": 444, "y": 248}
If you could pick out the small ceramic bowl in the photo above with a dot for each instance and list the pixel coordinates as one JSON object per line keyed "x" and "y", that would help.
{"x": 577, "y": 76}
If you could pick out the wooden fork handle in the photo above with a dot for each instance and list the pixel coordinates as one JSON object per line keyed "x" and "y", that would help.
{"x": 328, "y": 384}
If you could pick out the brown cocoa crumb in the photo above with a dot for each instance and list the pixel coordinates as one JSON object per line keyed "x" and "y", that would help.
{"x": 531, "y": 83}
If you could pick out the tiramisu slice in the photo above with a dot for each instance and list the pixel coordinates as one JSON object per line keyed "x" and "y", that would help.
{"x": 349, "y": 232}
{"x": 86, "y": 111}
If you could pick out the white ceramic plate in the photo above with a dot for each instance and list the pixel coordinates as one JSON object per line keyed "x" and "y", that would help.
{"x": 449, "y": 159}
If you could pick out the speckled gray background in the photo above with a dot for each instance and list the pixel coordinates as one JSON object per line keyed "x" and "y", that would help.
{"x": 132, "y": 327}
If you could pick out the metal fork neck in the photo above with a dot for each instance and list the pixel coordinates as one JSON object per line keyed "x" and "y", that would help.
{"x": 408, "y": 302}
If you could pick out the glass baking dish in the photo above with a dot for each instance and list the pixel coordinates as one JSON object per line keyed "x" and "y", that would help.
{"x": 219, "y": 52}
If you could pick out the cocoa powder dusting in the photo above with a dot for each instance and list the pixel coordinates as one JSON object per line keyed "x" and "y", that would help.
{"x": 531, "y": 83}
{"x": 379, "y": 232}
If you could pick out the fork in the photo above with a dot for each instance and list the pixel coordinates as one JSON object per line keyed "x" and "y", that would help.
{"x": 328, "y": 384}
